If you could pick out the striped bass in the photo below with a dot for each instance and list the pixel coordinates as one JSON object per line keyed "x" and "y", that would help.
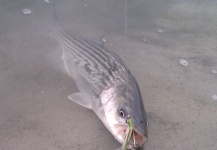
{"x": 106, "y": 86}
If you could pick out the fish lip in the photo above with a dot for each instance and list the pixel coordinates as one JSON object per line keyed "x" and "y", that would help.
{"x": 142, "y": 134}
{"x": 140, "y": 131}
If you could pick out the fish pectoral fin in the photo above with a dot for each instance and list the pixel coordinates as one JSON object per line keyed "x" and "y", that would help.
{"x": 80, "y": 100}
{"x": 84, "y": 87}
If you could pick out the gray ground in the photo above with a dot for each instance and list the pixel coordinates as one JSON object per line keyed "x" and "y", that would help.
{"x": 34, "y": 110}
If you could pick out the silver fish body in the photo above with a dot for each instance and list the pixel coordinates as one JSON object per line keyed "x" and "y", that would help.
{"x": 106, "y": 86}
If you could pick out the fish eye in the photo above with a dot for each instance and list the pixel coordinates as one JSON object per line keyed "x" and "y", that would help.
{"x": 122, "y": 112}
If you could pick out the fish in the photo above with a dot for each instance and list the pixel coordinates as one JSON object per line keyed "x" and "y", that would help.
{"x": 105, "y": 86}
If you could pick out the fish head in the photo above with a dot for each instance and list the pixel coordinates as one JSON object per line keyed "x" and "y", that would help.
{"x": 139, "y": 124}
{"x": 119, "y": 107}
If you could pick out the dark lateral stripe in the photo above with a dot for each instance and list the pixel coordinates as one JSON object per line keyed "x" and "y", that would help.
{"x": 82, "y": 42}
{"x": 100, "y": 53}
{"x": 100, "y": 63}
{"x": 70, "y": 51}
{"x": 81, "y": 47}
{"x": 97, "y": 54}
{"x": 94, "y": 49}
{"x": 73, "y": 52}
{"x": 74, "y": 48}
{"x": 97, "y": 48}
{"x": 92, "y": 56}
{"x": 90, "y": 46}
{"x": 82, "y": 50}
{"x": 71, "y": 46}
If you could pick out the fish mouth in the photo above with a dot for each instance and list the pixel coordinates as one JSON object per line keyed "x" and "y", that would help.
{"x": 138, "y": 136}
{"x": 137, "y": 139}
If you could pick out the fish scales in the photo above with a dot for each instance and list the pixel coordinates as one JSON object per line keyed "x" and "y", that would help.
{"x": 106, "y": 86}
{"x": 90, "y": 59}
